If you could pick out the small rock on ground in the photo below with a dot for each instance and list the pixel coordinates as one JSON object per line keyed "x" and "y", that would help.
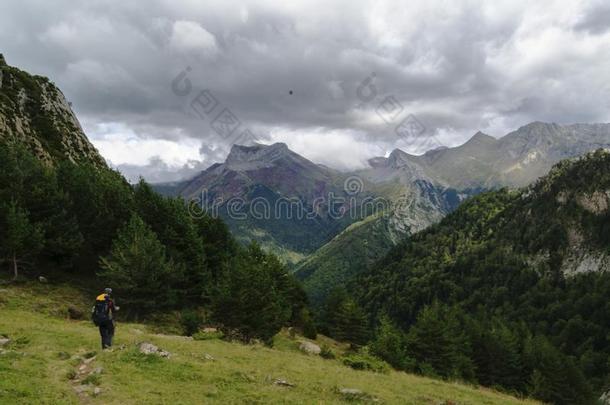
{"x": 80, "y": 389}
{"x": 354, "y": 394}
{"x": 309, "y": 348}
{"x": 283, "y": 383}
{"x": 149, "y": 348}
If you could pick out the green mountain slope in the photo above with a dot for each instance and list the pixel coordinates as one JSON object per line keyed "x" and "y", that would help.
{"x": 329, "y": 267}
{"x": 536, "y": 261}
{"x": 45, "y": 363}
{"x": 62, "y": 210}
{"x": 450, "y": 175}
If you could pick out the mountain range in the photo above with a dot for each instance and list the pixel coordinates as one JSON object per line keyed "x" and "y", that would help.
{"x": 474, "y": 262}
{"x": 524, "y": 264}
{"x": 395, "y": 196}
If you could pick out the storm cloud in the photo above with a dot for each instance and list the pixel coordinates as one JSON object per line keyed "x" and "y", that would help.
{"x": 332, "y": 79}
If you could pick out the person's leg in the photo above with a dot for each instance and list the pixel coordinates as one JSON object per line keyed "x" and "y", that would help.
{"x": 103, "y": 334}
{"x": 110, "y": 332}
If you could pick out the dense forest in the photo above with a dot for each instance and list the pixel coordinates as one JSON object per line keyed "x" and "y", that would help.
{"x": 485, "y": 296}
{"x": 157, "y": 253}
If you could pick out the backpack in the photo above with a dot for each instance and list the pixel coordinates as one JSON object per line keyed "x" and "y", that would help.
{"x": 100, "y": 312}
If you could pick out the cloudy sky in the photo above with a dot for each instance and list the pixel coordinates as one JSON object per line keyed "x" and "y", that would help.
{"x": 163, "y": 87}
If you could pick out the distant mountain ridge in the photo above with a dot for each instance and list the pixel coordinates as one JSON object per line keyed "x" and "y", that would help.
{"x": 437, "y": 182}
{"x": 291, "y": 194}
{"x": 432, "y": 185}
{"x": 537, "y": 258}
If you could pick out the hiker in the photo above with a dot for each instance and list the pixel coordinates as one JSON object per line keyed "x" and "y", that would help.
{"x": 102, "y": 315}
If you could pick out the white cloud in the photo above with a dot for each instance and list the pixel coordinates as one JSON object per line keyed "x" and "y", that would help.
{"x": 189, "y": 36}
{"x": 122, "y": 146}
{"x": 458, "y": 66}
{"x": 342, "y": 149}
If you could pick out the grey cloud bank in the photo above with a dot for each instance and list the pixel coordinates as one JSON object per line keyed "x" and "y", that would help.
{"x": 457, "y": 66}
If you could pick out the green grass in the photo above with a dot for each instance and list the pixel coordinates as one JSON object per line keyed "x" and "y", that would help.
{"x": 39, "y": 365}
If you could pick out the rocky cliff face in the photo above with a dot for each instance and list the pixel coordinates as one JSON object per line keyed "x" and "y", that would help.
{"x": 35, "y": 113}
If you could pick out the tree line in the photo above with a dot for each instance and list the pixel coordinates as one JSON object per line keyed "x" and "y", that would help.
{"x": 483, "y": 296}
{"x": 88, "y": 222}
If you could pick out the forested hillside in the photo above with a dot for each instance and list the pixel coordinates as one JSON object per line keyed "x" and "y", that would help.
{"x": 510, "y": 290}
{"x": 63, "y": 211}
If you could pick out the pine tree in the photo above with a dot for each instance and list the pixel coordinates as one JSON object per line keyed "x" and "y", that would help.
{"x": 19, "y": 237}
{"x": 251, "y": 301}
{"x": 350, "y": 323}
{"x": 389, "y": 345}
{"x": 170, "y": 220}
{"x": 554, "y": 378}
{"x": 139, "y": 269}
{"x": 307, "y": 324}
{"x": 432, "y": 342}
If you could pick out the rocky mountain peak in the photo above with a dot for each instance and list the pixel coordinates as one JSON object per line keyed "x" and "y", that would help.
{"x": 2, "y": 60}
{"x": 257, "y": 154}
{"x": 399, "y": 158}
{"x": 482, "y": 137}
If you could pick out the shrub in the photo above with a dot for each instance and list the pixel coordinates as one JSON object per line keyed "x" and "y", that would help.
{"x": 208, "y": 335}
{"x": 309, "y": 330}
{"x": 326, "y": 352}
{"x": 362, "y": 360}
{"x": 191, "y": 321}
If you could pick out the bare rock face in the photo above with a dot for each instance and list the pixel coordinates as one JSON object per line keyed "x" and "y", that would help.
{"x": 35, "y": 113}
{"x": 605, "y": 398}
{"x": 596, "y": 202}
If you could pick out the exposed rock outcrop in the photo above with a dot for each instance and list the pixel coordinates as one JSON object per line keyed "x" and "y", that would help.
{"x": 35, "y": 113}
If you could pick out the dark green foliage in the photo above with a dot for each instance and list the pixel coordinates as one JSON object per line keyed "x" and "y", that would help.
{"x": 497, "y": 353}
{"x": 218, "y": 244}
{"x": 363, "y": 360}
{"x": 253, "y": 300}
{"x": 102, "y": 202}
{"x": 191, "y": 321}
{"x": 554, "y": 377}
{"x": 343, "y": 319}
{"x": 308, "y": 325}
{"x": 169, "y": 218}
{"x": 155, "y": 255}
{"x": 326, "y": 352}
{"x": 499, "y": 259}
{"x": 19, "y": 238}
{"x": 436, "y": 341}
{"x": 139, "y": 270}
{"x": 389, "y": 344}
{"x": 35, "y": 191}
